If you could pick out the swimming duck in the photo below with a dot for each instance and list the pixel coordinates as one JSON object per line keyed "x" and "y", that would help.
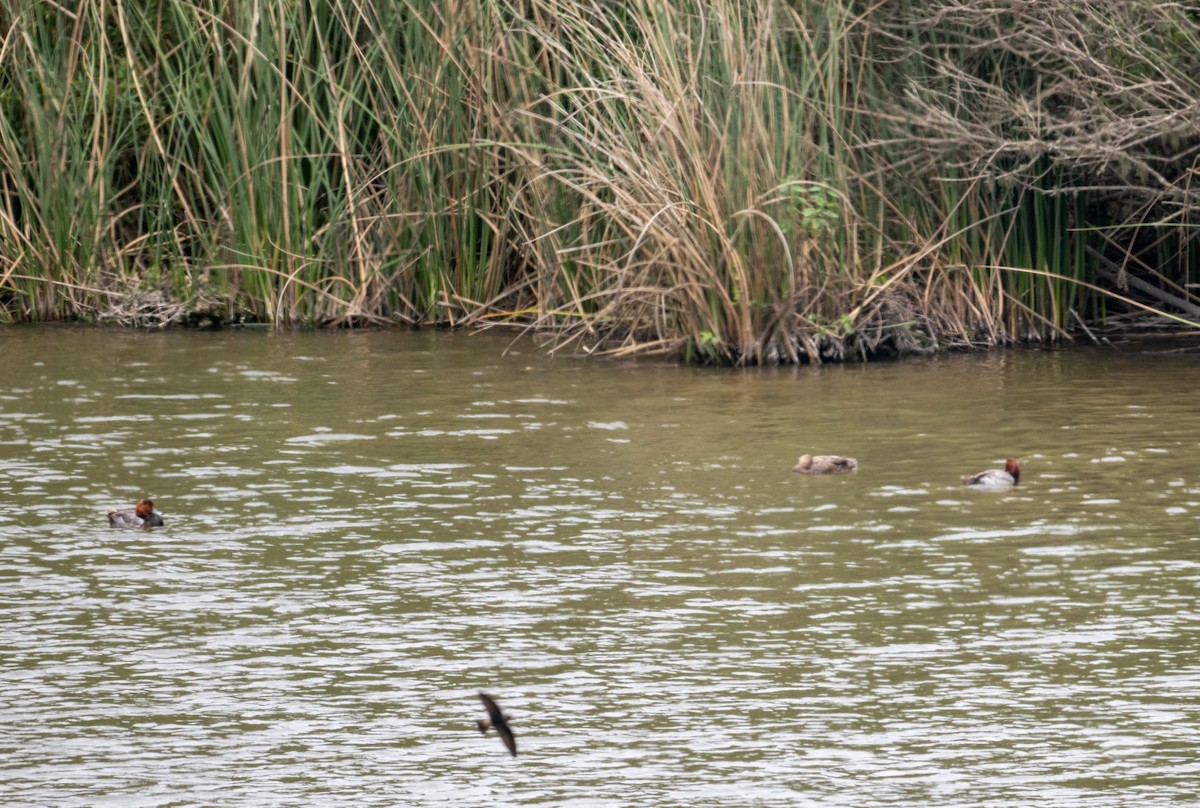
{"x": 824, "y": 464}
{"x": 143, "y": 515}
{"x": 497, "y": 719}
{"x": 995, "y": 478}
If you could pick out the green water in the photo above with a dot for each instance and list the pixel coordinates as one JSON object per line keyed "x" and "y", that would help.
{"x": 363, "y": 529}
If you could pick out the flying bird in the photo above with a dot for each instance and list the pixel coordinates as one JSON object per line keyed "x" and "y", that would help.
{"x": 498, "y": 720}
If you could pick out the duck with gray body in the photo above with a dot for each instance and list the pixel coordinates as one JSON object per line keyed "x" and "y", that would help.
{"x": 996, "y": 478}
{"x": 142, "y": 515}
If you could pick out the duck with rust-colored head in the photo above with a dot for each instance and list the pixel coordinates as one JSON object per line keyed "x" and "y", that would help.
{"x": 995, "y": 478}
{"x": 143, "y": 515}
{"x": 824, "y": 464}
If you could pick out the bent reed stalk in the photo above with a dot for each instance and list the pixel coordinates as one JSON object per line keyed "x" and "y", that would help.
{"x": 730, "y": 182}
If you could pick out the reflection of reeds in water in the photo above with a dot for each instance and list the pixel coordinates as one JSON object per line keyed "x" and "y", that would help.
{"x": 687, "y": 178}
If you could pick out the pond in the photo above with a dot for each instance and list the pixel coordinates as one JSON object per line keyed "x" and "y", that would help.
{"x": 364, "y": 529}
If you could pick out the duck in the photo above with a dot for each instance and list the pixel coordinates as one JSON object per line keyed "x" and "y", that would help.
{"x": 142, "y": 515}
{"x": 995, "y": 478}
{"x": 824, "y": 464}
{"x": 497, "y": 720}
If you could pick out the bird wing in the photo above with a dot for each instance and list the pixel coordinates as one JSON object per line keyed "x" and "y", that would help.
{"x": 493, "y": 709}
{"x": 507, "y": 736}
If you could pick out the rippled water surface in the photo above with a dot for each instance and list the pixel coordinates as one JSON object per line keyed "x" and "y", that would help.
{"x": 364, "y": 529}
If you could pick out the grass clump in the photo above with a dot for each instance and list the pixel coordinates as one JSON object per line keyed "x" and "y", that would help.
{"x": 727, "y": 182}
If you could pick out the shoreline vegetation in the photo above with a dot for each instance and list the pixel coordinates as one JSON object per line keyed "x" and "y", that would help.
{"x": 734, "y": 182}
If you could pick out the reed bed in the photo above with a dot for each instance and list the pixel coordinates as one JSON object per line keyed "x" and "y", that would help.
{"x": 732, "y": 182}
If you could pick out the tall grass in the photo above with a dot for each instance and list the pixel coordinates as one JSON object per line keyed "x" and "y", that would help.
{"x": 721, "y": 181}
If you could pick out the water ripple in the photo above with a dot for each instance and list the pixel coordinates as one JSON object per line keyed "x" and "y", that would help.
{"x": 671, "y": 618}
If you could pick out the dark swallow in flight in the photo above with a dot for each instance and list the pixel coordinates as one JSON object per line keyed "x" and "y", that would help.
{"x": 498, "y": 720}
